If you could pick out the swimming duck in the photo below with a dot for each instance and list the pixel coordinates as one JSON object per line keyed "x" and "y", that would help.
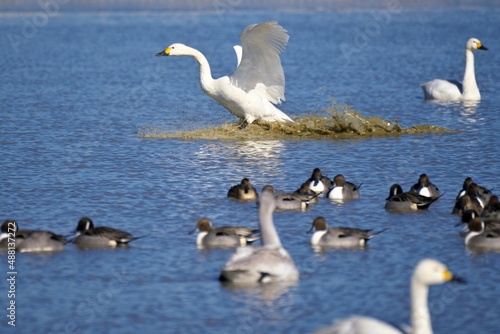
{"x": 343, "y": 190}
{"x": 243, "y": 191}
{"x": 338, "y": 237}
{"x": 319, "y": 183}
{"x": 30, "y": 241}
{"x": 480, "y": 237}
{"x": 307, "y": 194}
{"x": 491, "y": 211}
{"x": 89, "y": 236}
{"x": 481, "y": 191}
{"x": 406, "y": 201}
{"x": 424, "y": 187}
{"x": 8, "y": 230}
{"x": 293, "y": 201}
{"x": 223, "y": 237}
{"x": 469, "y": 215}
{"x": 266, "y": 264}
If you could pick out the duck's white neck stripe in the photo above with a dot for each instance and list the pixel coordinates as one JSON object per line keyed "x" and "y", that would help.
{"x": 199, "y": 238}
{"x": 336, "y": 193}
{"x": 317, "y": 237}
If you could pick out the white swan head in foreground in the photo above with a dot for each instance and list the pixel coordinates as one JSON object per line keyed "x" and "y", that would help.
{"x": 450, "y": 90}
{"x": 266, "y": 264}
{"x": 258, "y": 82}
{"x": 427, "y": 272}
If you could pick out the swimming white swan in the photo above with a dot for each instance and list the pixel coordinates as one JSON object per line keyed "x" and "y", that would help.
{"x": 266, "y": 264}
{"x": 450, "y": 90}
{"x": 258, "y": 82}
{"x": 427, "y": 272}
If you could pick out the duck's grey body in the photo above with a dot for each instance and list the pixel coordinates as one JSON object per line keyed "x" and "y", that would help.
{"x": 292, "y": 201}
{"x": 223, "y": 237}
{"x": 400, "y": 201}
{"x": 89, "y": 236}
{"x": 338, "y": 237}
{"x": 27, "y": 241}
{"x": 42, "y": 241}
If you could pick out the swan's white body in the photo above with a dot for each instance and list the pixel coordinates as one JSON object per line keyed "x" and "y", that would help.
{"x": 449, "y": 90}
{"x": 257, "y": 84}
{"x": 427, "y": 272}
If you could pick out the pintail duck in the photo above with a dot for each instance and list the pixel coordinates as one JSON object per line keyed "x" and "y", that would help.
{"x": 482, "y": 191}
{"x": 478, "y": 197}
{"x": 307, "y": 194}
{"x": 338, "y": 237}
{"x": 29, "y": 241}
{"x": 343, "y": 190}
{"x": 469, "y": 215}
{"x": 243, "y": 191}
{"x": 491, "y": 211}
{"x": 223, "y": 237}
{"x": 319, "y": 183}
{"x": 424, "y": 187}
{"x": 293, "y": 201}
{"x": 89, "y": 236}
{"x": 266, "y": 264}
{"x": 480, "y": 237}
{"x": 406, "y": 201}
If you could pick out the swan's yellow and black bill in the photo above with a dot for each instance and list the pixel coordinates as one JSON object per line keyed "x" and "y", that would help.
{"x": 448, "y": 276}
{"x": 164, "y": 52}
{"x": 481, "y": 47}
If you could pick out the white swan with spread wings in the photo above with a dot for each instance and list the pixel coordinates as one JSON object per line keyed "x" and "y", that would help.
{"x": 257, "y": 84}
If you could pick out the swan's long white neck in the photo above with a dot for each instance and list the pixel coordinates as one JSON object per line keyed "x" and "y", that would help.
{"x": 469, "y": 85}
{"x": 269, "y": 235}
{"x": 206, "y": 80}
{"x": 420, "y": 316}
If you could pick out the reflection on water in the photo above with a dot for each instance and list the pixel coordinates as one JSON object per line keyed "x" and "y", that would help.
{"x": 467, "y": 109}
{"x": 256, "y": 293}
{"x": 243, "y": 155}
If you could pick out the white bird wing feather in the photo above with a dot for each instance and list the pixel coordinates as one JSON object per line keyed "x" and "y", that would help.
{"x": 260, "y": 66}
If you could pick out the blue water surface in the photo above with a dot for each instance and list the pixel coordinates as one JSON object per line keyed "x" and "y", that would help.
{"x": 78, "y": 86}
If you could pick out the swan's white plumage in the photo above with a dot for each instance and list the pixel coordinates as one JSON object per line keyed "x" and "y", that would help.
{"x": 427, "y": 272}
{"x": 260, "y": 63}
{"x": 450, "y": 90}
{"x": 258, "y": 82}
{"x": 239, "y": 53}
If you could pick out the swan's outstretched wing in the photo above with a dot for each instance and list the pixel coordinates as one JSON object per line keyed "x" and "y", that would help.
{"x": 262, "y": 44}
{"x": 239, "y": 52}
